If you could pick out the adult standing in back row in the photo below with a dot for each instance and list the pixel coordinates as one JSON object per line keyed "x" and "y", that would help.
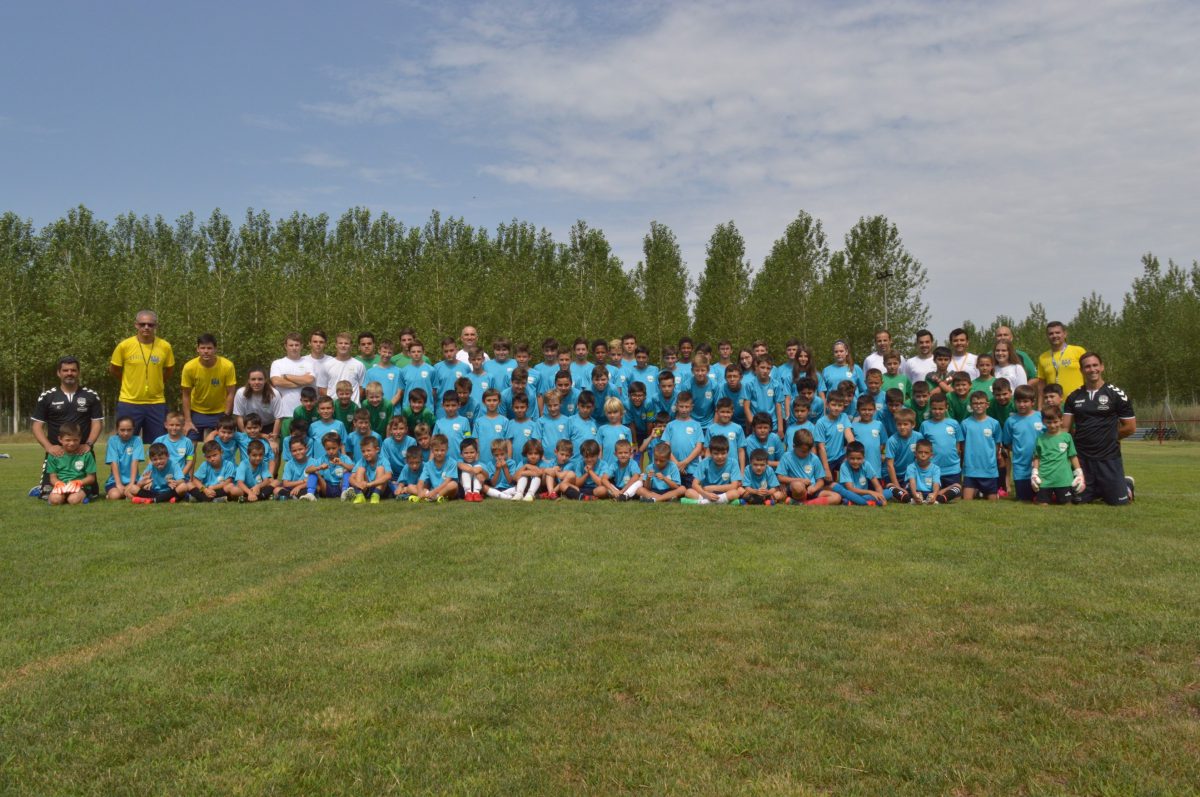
{"x": 143, "y": 363}
{"x": 207, "y": 385}
{"x": 1062, "y": 364}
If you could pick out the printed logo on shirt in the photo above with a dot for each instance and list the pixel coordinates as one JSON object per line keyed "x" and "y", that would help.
{"x": 1039, "y": 426}
{"x": 1062, "y": 446}
{"x": 950, "y": 430}
{"x": 987, "y": 432}
{"x": 79, "y": 464}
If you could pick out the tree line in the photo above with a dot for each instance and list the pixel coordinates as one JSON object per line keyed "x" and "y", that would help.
{"x": 74, "y": 285}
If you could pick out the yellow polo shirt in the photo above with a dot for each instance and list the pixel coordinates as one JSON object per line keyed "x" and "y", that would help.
{"x": 1062, "y": 368}
{"x": 142, "y": 367}
{"x": 210, "y": 386}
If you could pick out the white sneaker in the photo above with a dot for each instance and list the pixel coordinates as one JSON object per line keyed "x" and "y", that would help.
{"x": 308, "y": 497}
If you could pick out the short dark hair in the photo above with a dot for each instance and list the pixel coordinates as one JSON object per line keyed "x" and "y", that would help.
{"x": 206, "y": 339}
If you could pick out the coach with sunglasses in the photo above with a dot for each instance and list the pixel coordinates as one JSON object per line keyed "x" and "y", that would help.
{"x": 143, "y": 363}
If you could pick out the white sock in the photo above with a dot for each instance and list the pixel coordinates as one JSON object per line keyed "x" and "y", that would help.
{"x": 521, "y": 485}
{"x": 633, "y": 487}
{"x": 534, "y": 483}
{"x": 492, "y": 492}
{"x": 722, "y": 498}
{"x": 465, "y": 481}
{"x": 476, "y": 485}
{"x": 703, "y": 501}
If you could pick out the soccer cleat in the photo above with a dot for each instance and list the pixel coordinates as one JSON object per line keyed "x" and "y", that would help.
{"x": 1129, "y": 484}
{"x": 645, "y": 500}
{"x": 172, "y": 500}
{"x": 441, "y": 499}
{"x": 220, "y": 499}
{"x": 35, "y": 491}
{"x": 414, "y": 499}
{"x": 688, "y": 501}
{"x": 140, "y": 499}
{"x": 528, "y": 497}
{"x": 308, "y": 497}
{"x": 622, "y": 497}
{"x": 360, "y": 499}
{"x": 375, "y": 498}
{"x": 348, "y": 494}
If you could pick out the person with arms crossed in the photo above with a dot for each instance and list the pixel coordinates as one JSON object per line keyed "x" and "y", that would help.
{"x": 289, "y": 374}
{"x": 143, "y": 363}
{"x": 1099, "y": 415}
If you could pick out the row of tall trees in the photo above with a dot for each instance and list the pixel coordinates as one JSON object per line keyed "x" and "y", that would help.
{"x": 74, "y": 286}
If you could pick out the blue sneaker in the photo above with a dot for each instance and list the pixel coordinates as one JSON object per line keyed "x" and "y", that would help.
{"x": 35, "y": 491}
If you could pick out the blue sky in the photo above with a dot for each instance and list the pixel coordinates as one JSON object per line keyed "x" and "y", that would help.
{"x": 1027, "y": 151}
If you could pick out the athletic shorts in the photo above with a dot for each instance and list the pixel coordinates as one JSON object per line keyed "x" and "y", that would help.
{"x": 1024, "y": 489}
{"x": 1104, "y": 479}
{"x": 951, "y": 478}
{"x": 203, "y": 423}
{"x": 985, "y": 486}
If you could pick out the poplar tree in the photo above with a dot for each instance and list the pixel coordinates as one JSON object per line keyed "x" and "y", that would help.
{"x": 661, "y": 281}
{"x": 722, "y": 288}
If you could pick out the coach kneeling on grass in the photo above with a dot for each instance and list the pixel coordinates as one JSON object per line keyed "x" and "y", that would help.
{"x": 1099, "y": 415}
{"x": 66, "y": 404}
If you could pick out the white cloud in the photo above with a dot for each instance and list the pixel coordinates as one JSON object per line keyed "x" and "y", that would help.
{"x": 321, "y": 159}
{"x": 264, "y": 121}
{"x": 1009, "y": 141}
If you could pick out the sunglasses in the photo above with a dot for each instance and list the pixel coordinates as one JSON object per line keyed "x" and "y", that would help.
{"x": 146, "y": 324}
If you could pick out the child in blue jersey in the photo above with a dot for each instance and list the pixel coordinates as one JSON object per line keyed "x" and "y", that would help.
{"x": 724, "y": 428}
{"x": 180, "y": 447}
{"x": 703, "y": 389}
{"x": 874, "y": 379}
{"x": 869, "y": 431}
{"x": 439, "y": 476}
{"x": 900, "y": 453}
{"x": 806, "y": 388}
{"x": 501, "y": 366}
{"x": 542, "y": 374}
{"x": 528, "y": 475}
{"x": 518, "y": 387}
{"x": 760, "y": 484}
{"x": 163, "y": 480}
{"x": 1000, "y": 407}
{"x": 553, "y": 425}
{"x": 601, "y": 386}
{"x": 559, "y": 468}
{"x": 614, "y": 431}
{"x": 387, "y": 374}
{"x": 225, "y": 435}
{"x": 858, "y": 482}
{"x": 214, "y": 478}
{"x": 254, "y": 480}
{"x": 639, "y": 412}
{"x": 583, "y": 425}
{"x": 472, "y": 475}
{"x": 765, "y": 394}
{"x": 833, "y": 431}
{"x": 670, "y": 365}
{"x": 334, "y": 469}
{"x": 802, "y": 474}
{"x": 299, "y": 431}
{"x": 418, "y": 374}
{"x": 720, "y": 478}
{"x": 501, "y": 479}
{"x": 123, "y": 451}
{"x": 685, "y": 436}
{"x": 764, "y": 439}
{"x": 645, "y": 450}
{"x": 661, "y": 480}
{"x": 299, "y": 478}
{"x": 923, "y": 477}
{"x": 254, "y": 431}
{"x": 397, "y": 444}
{"x": 946, "y": 437}
{"x": 361, "y": 432}
{"x": 799, "y": 420}
{"x": 581, "y": 368}
{"x": 664, "y": 398}
{"x": 582, "y": 486}
{"x": 1021, "y": 432}
{"x": 620, "y": 479}
{"x": 371, "y": 481}
{"x": 981, "y": 451}
{"x": 448, "y": 370}
{"x": 468, "y": 408}
{"x": 843, "y": 368}
{"x": 521, "y": 427}
{"x": 568, "y": 394}
{"x": 893, "y": 402}
{"x": 642, "y": 370}
{"x": 325, "y": 422}
{"x": 735, "y": 392}
{"x": 406, "y": 483}
{"x": 479, "y": 376}
{"x": 452, "y": 427}
{"x": 489, "y": 426}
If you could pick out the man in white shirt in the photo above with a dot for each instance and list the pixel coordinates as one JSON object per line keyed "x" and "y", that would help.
{"x": 344, "y": 366}
{"x": 470, "y": 340}
{"x": 290, "y": 373}
{"x": 316, "y": 359}
{"x": 883, "y": 344}
{"x": 960, "y": 358}
{"x": 920, "y": 365}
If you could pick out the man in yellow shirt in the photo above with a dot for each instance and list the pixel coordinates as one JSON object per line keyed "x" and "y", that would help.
{"x": 1060, "y": 365}
{"x": 143, "y": 363}
{"x": 207, "y": 385}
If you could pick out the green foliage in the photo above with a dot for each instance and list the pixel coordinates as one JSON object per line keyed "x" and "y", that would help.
{"x": 722, "y": 290}
{"x": 662, "y": 285}
{"x": 785, "y": 292}
{"x": 1162, "y": 317}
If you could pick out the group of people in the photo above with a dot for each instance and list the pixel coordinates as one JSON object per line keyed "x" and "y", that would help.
{"x": 380, "y": 419}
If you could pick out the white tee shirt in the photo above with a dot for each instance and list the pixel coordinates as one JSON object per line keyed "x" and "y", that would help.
{"x": 875, "y": 360}
{"x": 318, "y": 368}
{"x": 1015, "y": 374}
{"x": 289, "y": 397}
{"x": 917, "y": 368}
{"x": 243, "y": 406}
{"x": 352, "y": 371}
{"x": 964, "y": 363}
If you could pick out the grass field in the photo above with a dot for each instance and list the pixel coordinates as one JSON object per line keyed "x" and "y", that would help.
{"x": 566, "y": 648}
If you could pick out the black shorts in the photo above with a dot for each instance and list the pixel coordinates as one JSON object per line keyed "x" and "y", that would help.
{"x": 1054, "y": 495}
{"x": 1024, "y": 489}
{"x": 686, "y": 479}
{"x": 1104, "y": 479}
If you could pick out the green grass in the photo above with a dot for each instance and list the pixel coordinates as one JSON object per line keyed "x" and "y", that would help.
{"x": 555, "y": 648}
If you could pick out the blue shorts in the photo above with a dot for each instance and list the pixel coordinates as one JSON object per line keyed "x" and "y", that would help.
{"x": 203, "y": 422}
{"x": 986, "y": 486}
{"x": 149, "y": 420}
